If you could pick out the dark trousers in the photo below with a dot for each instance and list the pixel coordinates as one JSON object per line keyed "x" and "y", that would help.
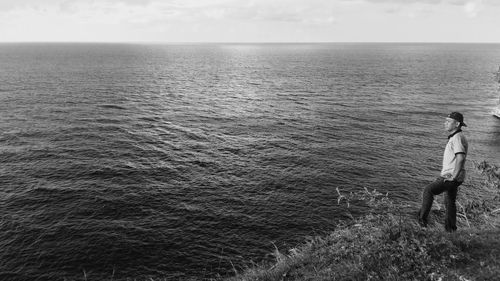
{"x": 437, "y": 187}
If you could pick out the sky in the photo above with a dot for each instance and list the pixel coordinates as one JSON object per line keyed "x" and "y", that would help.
{"x": 165, "y": 21}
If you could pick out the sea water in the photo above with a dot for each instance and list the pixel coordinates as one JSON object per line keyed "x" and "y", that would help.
{"x": 194, "y": 160}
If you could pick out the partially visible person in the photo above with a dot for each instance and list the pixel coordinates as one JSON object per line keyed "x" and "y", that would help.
{"x": 452, "y": 173}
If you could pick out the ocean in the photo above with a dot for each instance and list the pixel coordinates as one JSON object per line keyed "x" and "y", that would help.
{"x": 179, "y": 161}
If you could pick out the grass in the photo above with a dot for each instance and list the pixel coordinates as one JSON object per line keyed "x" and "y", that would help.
{"x": 388, "y": 244}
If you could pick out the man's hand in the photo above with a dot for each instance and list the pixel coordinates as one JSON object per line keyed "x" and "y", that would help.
{"x": 448, "y": 177}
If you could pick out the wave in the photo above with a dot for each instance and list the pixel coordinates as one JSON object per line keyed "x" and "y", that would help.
{"x": 113, "y": 106}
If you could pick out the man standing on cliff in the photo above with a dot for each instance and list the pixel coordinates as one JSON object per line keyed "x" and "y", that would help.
{"x": 452, "y": 173}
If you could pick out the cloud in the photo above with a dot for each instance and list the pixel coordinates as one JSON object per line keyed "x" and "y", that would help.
{"x": 431, "y": 2}
{"x": 472, "y": 8}
{"x": 244, "y": 20}
{"x": 291, "y": 11}
{"x": 405, "y": 1}
{"x": 7, "y": 5}
{"x": 298, "y": 11}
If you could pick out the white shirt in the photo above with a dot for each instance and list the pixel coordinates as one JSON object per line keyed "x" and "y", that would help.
{"x": 456, "y": 144}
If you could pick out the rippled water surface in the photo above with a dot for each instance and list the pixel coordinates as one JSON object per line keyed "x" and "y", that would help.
{"x": 133, "y": 161}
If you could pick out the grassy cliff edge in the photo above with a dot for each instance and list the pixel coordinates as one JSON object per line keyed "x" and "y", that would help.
{"x": 388, "y": 244}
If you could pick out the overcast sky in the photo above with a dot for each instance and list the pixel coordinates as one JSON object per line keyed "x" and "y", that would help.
{"x": 250, "y": 20}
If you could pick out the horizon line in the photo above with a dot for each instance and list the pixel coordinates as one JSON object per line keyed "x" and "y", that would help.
{"x": 245, "y": 42}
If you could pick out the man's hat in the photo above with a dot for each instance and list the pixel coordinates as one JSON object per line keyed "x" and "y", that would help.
{"x": 458, "y": 117}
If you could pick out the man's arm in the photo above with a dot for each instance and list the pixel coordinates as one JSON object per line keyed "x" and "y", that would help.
{"x": 459, "y": 165}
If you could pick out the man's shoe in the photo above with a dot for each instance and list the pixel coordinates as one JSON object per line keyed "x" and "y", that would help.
{"x": 450, "y": 229}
